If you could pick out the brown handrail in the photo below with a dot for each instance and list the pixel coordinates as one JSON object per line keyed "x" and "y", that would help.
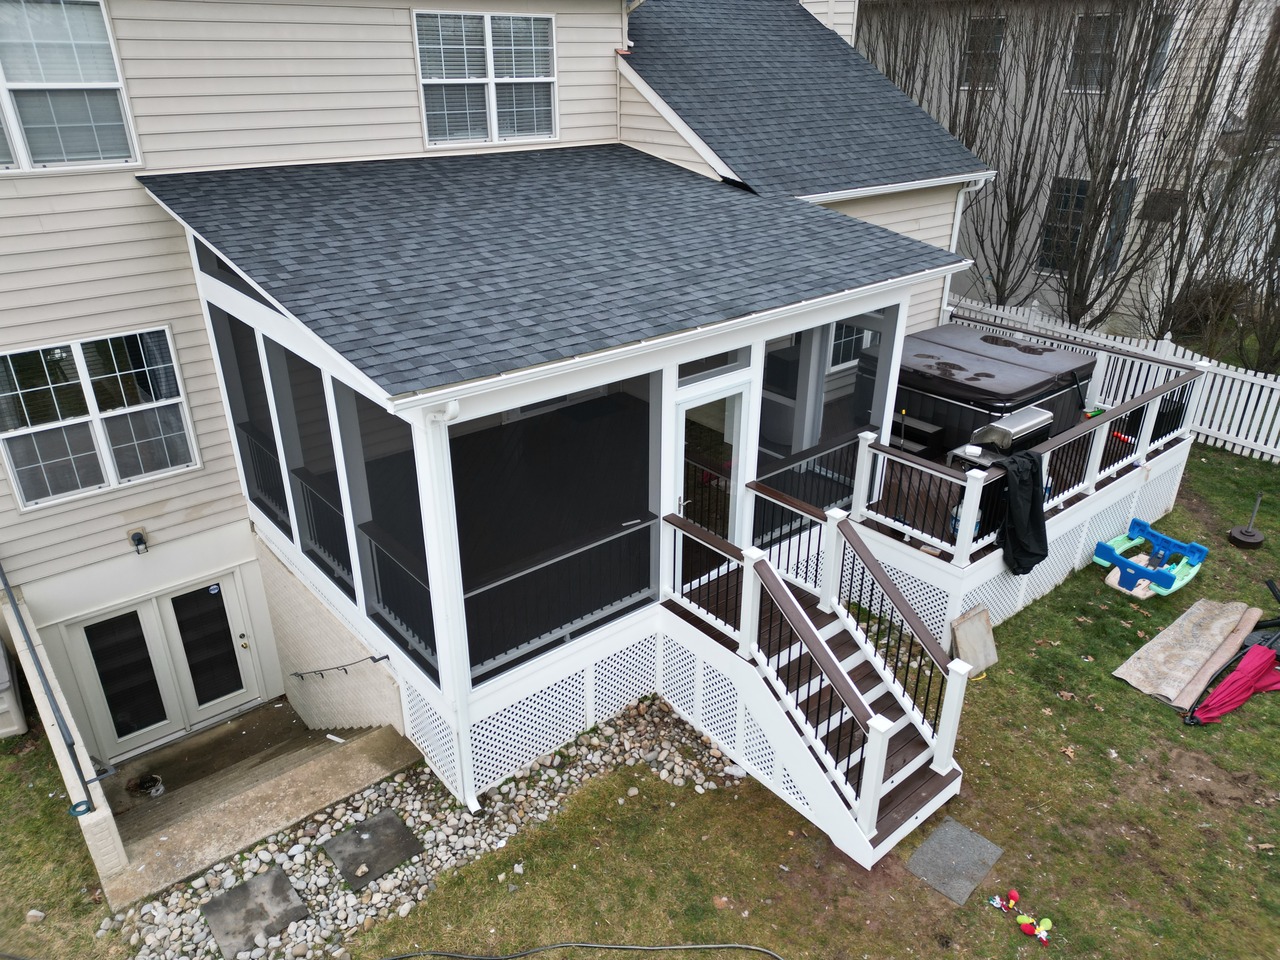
{"x": 928, "y": 642}
{"x": 1096, "y": 348}
{"x": 704, "y": 536}
{"x": 799, "y": 506}
{"x": 951, "y": 473}
{"x": 1124, "y": 409}
{"x": 813, "y": 644}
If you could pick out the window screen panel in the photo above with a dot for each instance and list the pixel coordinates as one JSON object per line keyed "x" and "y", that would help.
{"x": 55, "y": 462}
{"x": 55, "y": 41}
{"x": 39, "y": 386}
{"x": 131, "y": 370}
{"x": 521, "y": 47}
{"x": 451, "y": 46}
{"x": 524, "y": 110}
{"x": 148, "y": 441}
{"x": 66, "y": 126}
{"x": 456, "y": 112}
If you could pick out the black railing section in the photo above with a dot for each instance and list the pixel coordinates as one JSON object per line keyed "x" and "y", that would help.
{"x": 1171, "y": 415}
{"x": 263, "y": 475}
{"x": 323, "y": 529}
{"x": 1121, "y": 443}
{"x": 514, "y": 618}
{"x": 789, "y": 531}
{"x": 398, "y": 596}
{"x": 911, "y": 654}
{"x": 708, "y": 572}
{"x": 706, "y": 496}
{"x": 922, "y": 495}
{"x": 1069, "y": 464}
{"x": 807, "y": 669}
{"x": 822, "y": 476}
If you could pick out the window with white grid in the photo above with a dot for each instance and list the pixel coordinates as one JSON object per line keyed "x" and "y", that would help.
{"x": 486, "y": 77}
{"x": 94, "y": 414}
{"x": 61, "y": 99}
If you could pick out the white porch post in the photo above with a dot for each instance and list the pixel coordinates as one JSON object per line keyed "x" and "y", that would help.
{"x": 670, "y": 468}
{"x": 749, "y": 625}
{"x": 1097, "y": 444}
{"x": 1196, "y": 400}
{"x": 444, "y": 574}
{"x": 968, "y": 519}
{"x": 944, "y": 747}
{"x": 815, "y": 352}
{"x": 862, "y": 477}
{"x": 1094, "y": 396}
{"x": 874, "y": 754}
{"x": 832, "y": 554}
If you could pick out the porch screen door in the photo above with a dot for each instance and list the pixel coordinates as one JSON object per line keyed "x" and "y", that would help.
{"x": 709, "y": 443}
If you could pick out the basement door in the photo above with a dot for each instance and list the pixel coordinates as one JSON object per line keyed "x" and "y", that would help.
{"x": 164, "y": 667}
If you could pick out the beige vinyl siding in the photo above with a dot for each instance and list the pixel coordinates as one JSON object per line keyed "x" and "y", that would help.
{"x": 644, "y": 128}
{"x": 840, "y": 15}
{"x": 925, "y": 215}
{"x": 231, "y": 82}
{"x": 89, "y": 255}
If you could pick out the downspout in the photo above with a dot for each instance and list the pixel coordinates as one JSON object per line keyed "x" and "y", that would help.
{"x": 86, "y": 806}
{"x": 973, "y": 186}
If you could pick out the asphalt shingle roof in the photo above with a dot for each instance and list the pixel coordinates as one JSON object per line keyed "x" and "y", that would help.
{"x": 785, "y": 102}
{"x": 430, "y": 271}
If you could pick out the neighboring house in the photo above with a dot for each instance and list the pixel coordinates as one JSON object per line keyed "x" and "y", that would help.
{"x": 1103, "y": 119}
{"x": 455, "y": 339}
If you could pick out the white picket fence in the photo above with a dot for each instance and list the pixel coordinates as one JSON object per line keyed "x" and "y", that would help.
{"x": 1239, "y": 409}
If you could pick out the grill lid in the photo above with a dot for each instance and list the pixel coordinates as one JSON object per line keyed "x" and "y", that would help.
{"x": 1004, "y": 433}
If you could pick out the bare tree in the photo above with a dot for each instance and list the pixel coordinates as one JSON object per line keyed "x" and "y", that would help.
{"x": 1102, "y": 119}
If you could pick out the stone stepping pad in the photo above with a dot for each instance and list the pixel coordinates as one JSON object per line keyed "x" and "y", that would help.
{"x": 265, "y": 905}
{"x": 372, "y": 848}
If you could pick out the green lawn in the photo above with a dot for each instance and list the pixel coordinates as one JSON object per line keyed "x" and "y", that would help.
{"x": 1139, "y": 836}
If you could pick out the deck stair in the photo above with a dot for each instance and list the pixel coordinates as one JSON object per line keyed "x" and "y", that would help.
{"x": 870, "y": 695}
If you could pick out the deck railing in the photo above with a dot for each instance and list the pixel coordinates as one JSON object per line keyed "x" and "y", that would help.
{"x": 398, "y": 596}
{"x": 512, "y": 618}
{"x": 789, "y": 531}
{"x": 883, "y": 619}
{"x": 263, "y": 477}
{"x": 707, "y": 576}
{"x": 822, "y": 476}
{"x": 962, "y": 513}
{"x": 323, "y": 529}
{"x": 808, "y": 681}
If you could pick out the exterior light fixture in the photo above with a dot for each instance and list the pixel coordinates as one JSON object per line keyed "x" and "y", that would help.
{"x": 139, "y": 541}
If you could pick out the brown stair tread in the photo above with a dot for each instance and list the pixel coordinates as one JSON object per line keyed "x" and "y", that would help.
{"x": 910, "y": 797}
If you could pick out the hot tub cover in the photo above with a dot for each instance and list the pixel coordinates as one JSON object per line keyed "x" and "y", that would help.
{"x": 974, "y": 366}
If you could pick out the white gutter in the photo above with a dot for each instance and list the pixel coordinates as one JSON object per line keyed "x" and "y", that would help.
{"x": 974, "y": 186}
{"x": 704, "y": 152}
{"x": 905, "y": 185}
{"x": 435, "y": 395}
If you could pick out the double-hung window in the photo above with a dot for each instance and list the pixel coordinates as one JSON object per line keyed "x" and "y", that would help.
{"x": 983, "y": 49}
{"x": 1093, "y": 53}
{"x": 61, "y": 100}
{"x": 94, "y": 414}
{"x": 486, "y": 77}
{"x": 1063, "y": 220}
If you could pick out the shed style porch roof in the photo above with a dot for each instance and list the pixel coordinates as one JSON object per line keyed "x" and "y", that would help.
{"x": 432, "y": 271}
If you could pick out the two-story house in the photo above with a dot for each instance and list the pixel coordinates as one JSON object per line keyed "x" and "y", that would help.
{"x": 451, "y": 343}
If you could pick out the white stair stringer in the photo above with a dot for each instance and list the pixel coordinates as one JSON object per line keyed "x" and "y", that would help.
{"x": 731, "y": 702}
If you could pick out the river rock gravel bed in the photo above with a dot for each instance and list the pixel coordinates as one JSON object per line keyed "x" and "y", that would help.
{"x": 646, "y": 733}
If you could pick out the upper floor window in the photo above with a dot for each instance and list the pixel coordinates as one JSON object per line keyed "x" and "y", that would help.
{"x": 486, "y": 78}
{"x": 1093, "y": 54}
{"x": 61, "y": 100}
{"x": 983, "y": 50}
{"x": 1060, "y": 232}
{"x": 99, "y": 413}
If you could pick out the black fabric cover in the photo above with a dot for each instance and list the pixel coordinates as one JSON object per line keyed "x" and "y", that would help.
{"x": 1025, "y": 541}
